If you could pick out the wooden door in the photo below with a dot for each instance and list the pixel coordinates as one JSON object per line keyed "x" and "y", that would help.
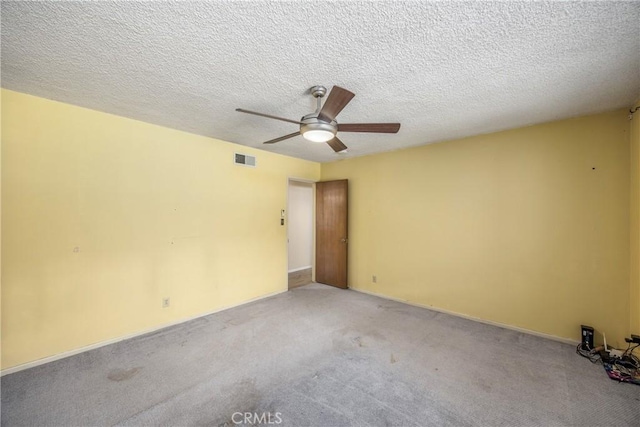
{"x": 331, "y": 233}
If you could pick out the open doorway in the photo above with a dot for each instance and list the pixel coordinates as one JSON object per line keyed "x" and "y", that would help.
{"x": 300, "y": 233}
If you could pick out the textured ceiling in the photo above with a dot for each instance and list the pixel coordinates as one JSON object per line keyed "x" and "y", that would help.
{"x": 443, "y": 69}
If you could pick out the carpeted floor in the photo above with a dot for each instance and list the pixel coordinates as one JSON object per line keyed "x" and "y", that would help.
{"x": 319, "y": 356}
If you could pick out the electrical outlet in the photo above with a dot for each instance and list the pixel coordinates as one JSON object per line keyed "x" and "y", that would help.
{"x": 374, "y": 278}
{"x": 165, "y": 302}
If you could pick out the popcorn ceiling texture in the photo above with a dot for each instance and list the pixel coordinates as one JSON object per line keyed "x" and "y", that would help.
{"x": 443, "y": 69}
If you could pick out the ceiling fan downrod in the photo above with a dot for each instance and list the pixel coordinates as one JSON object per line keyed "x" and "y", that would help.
{"x": 318, "y": 93}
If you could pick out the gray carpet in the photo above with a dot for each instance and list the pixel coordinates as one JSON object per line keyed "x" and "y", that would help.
{"x": 319, "y": 356}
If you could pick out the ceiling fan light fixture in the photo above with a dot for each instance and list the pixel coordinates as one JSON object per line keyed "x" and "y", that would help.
{"x": 318, "y": 135}
{"x": 315, "y": 130}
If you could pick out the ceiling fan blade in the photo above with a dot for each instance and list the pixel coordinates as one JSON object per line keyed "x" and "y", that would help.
{"x": 269, "y": 116}
{"x": 369, "y": 127}
{"x": 336, "y": 144}
{"x": 338, "y": 98}
{"x": 282, "y": 138}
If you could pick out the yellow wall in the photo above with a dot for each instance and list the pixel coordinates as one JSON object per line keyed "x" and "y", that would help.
{"x": 512, "y": 227}
{"x": 634, "y": 290}
{"x": 154, "y": 213}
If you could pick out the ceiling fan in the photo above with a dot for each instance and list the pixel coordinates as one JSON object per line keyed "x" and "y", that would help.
{"x": 321, "y": 125}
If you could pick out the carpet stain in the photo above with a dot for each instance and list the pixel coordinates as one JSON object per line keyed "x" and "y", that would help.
{"x": 358, "y": 340}
{"x": 241, "y": 397}
{"x": 483, "y": 385}
{"x": 123, "y": 374}
{"x": 393, "y": 359}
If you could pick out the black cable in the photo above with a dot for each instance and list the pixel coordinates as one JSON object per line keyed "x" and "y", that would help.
{"x": 629, "y": 357}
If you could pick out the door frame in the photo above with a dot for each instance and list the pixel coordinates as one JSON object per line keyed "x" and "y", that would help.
{"x": 313, "y": 227}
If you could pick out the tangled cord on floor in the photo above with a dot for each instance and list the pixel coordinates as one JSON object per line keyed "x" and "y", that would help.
{"x": 592, "y": 354}
{"x": 625, "y": 368}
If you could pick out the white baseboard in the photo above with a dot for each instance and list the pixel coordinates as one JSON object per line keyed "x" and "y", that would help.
{"x": 475, "y": 319}
{"x": 69, "y": 353}
{"x": 298, "y": 269}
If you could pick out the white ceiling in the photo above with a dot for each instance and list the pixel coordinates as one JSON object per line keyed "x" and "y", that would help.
{"x": 443, "y": 69}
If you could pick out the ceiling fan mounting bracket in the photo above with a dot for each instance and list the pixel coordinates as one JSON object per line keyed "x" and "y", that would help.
{"x": 318, "y": 91}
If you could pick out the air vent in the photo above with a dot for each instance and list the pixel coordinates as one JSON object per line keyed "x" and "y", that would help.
{"x": 244, "y": 159}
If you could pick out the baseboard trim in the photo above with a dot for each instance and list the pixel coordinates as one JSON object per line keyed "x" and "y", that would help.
{"x": 298, "y": 269}
{"x": 475, "y": 319}
{"x": 70, "y": 353}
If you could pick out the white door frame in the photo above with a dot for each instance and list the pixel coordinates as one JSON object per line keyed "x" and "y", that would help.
{"x": 313, "y": 228}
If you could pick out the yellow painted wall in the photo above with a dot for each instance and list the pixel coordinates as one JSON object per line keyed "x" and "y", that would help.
{"x": 513, "y": 227}
{"x": 154, "y": 213}
{"x": 634, "y": 290}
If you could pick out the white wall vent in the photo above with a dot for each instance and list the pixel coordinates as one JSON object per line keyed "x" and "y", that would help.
{"x": 245, "y": 159}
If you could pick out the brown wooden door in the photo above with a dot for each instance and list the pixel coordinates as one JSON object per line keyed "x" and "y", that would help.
{"x": 331, "y": 233}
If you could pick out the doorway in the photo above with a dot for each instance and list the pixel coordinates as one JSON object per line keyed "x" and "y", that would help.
{"x": 300, "y": 202}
